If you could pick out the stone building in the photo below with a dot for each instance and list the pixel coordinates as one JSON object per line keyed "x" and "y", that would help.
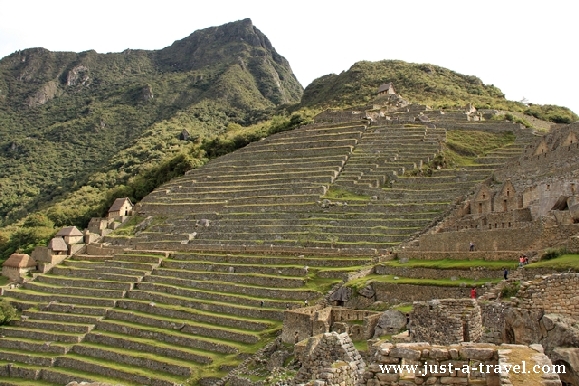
{"x": 386, "y": 89}
{"x": 71, "y": 235}
{"x": 122, "y": 207}
{"x": 306, "y": 322}
{"x": 57, "y": 246}
{"x": 17, "y": 266}
{"x": 446, "y": 321}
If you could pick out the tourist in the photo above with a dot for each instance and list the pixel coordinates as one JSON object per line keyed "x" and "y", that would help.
{"x": 261, "y": 303}
{"x": 526, "y": 259}
{"x": 505, "y": 273}
{"x": 471, "y": 247}
{"x": 306, "y": 303}
{"x": 473, "y": 293}
{"x": 521, "y": 261}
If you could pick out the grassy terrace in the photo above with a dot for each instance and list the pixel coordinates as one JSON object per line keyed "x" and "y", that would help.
{"x": 175, "y": 318}
{"x": 564, "y": 262}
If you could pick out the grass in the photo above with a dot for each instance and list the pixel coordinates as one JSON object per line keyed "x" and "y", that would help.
{"x": 362, "y": 282}
{"x": 3, "y": 280}
{"x": 338, "y": 193}
{"x": 452, "y": 264}
{"x": 564, "y": 262}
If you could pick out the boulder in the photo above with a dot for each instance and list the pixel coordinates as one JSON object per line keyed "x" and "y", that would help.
{"x": 391, "y": 322}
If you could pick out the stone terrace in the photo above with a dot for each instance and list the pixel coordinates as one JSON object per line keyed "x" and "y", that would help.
{"x": 271, "y": 192}
{"x": 152, "y": 318}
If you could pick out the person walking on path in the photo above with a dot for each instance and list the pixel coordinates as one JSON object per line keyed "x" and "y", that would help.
{"x": 505, "y": 273}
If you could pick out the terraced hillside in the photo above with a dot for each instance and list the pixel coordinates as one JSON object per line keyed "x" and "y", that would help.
{"x": 152, "y": 318}
{"x": 336, "y": 186}
{"x": 232, "y": 245}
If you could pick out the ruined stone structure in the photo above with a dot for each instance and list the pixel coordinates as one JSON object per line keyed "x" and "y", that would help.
{"x": 454, "y": 364}
{"x": 329, "y": 359}
{"x": 446, "y": 321}
{"x": 529, "y": 205}
{"x": 302, "y": 323}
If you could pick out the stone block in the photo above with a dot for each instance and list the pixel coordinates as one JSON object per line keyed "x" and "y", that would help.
{"x": 406, "y": 353}
{"x": 453, "y": 381}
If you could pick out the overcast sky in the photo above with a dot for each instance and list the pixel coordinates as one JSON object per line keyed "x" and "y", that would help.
{"x": 528, "y": 49}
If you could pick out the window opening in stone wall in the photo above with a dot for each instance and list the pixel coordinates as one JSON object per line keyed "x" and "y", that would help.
{"x": 504, "y": 205}
{"x": 480, "y": 207}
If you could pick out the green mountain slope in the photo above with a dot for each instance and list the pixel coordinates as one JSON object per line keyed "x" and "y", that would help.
{"x": 64, "y": 116}
{"x": 419, "y": 83}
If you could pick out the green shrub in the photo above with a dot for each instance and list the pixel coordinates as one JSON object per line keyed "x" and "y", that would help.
{"x": 552, "y": 253}
{"x": 7, "y": 312}
{"x": 510, "y": 290}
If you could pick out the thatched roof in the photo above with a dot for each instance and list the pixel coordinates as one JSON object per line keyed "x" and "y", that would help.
{"x": 385, "y": 87}
{"x": 57, "y": 244}
{"x": 19, "y": 260}
{"x": 119, "y": 203}
{"x": 69, "y": 231}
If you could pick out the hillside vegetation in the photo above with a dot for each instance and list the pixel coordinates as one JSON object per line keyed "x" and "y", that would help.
{"x": 78, "y": 130}
{"x": 70, "y": 120}
{"x": 420, "y": 83}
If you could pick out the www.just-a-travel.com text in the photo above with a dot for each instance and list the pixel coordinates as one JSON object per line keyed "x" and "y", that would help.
{"x": 449, "y": 368}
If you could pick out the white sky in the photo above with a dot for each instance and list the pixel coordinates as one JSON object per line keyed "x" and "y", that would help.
{"x": 526, "y": 48}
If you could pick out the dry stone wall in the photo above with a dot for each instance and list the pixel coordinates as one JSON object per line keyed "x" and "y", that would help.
{"x": 557, "y": 294}
{"x": 329, "y": 359}
{"x": 446, "y": 321}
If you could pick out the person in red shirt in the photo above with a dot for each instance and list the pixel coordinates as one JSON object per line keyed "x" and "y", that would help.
{"x": 473, "y": 293}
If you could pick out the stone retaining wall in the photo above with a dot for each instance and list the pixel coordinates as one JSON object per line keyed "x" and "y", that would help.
{"x": 183, "y": 327}
{"x": 249, "y": 312}
{"x": 557, "y": 294}
{"x": 73, "y": 363}
{"x": 439, "y": 360}
{"x": 200, "y": 317}
{"x": 446, "y": 321}
{"x": 135, "y": 361}
{"x": 178, "y": 339}
{"x": 128, "y": 344}
{"x": 276, "y": 293}
{"x": 266, "y": 281}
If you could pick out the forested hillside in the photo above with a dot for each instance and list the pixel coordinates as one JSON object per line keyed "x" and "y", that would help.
{"x": 73, "y": 119}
